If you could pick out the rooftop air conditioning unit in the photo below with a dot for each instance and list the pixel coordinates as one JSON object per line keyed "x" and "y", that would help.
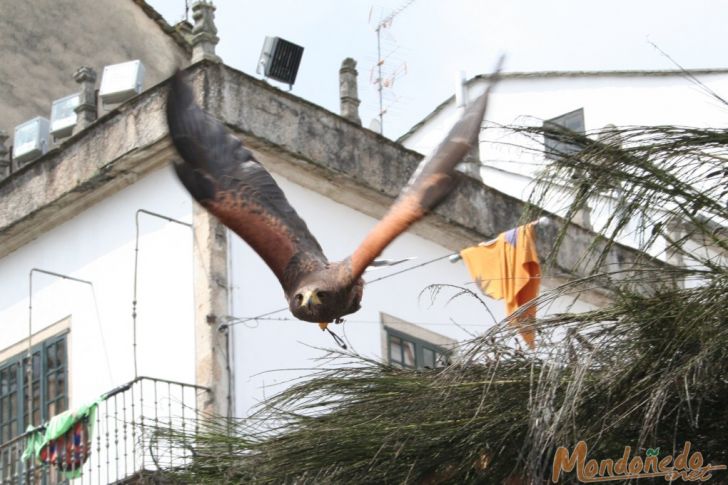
{"x": 280, "y": 60}
{"x": 63, "y": 115}
{"x": 120, "y": 82}
{"x": 30, "y": 140}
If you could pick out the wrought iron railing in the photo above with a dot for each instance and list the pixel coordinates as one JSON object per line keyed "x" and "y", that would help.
{"x": 124, "y": 445}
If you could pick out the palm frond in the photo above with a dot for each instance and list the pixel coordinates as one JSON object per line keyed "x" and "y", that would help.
{"x": 650, "y": 369}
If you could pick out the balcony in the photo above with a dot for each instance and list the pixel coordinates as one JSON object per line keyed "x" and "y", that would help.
{"x": 126, "y": 443}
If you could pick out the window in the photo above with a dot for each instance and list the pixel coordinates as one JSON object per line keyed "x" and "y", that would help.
{"x": 407, "y": 351}
{"x": 556, "y": 147}
{"x": 49, "y": 386}
{"x": 408, "y": 345}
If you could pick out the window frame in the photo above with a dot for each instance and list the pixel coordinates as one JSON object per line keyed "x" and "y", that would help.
{"x": 419, "y": 345}
{"x": 555, "y": 149}
{"x": 17, "y": 423}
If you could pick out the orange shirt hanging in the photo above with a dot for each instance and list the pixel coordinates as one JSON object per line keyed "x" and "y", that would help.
{"x": 508, "y": 269}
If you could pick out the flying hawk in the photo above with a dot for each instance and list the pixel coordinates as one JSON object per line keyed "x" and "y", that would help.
{"x": 224, "y": 176}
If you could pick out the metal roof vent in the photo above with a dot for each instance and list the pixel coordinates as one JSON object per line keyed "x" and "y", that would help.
{"x": 63, "y": 115}
{"x": 280, "y": 60}
{"x": 120, "y": 82}
{"x": 30, "y": 140}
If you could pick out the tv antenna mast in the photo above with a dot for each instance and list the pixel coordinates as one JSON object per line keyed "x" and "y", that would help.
{"x": 380, "y": 81}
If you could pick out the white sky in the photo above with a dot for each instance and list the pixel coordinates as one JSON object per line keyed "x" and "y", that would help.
{"x": 438, "y": 38}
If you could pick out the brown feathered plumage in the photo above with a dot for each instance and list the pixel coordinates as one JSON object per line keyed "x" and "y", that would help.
{"x": 223, "y": 176}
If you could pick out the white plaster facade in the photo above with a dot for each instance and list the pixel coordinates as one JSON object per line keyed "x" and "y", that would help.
{"x": 98, "y": 245}
{"x": 626, "y": 98}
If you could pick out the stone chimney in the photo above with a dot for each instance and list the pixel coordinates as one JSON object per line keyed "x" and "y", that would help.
{"x": 348, "y": 91}
{"x": 4, "y": 156}
{"x": 86, "y": 109}
{"x": 204, "y": 33}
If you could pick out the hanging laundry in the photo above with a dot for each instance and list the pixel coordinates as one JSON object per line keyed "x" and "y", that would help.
{"x": 64, "y": 441}
{"x": 508, "y": 268}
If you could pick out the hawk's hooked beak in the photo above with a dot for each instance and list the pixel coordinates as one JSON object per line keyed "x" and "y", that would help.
{"x": 310, "y": 297}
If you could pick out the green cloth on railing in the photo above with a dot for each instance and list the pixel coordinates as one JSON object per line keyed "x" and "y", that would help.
{"x": 56, "y": 428}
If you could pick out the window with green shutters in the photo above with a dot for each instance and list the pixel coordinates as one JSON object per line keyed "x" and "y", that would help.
{"x": 49, "y": 386}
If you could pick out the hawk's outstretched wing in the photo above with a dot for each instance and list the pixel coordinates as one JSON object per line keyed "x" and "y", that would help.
{"x": 227, "y": 180}
{"x": 431, "y": 182}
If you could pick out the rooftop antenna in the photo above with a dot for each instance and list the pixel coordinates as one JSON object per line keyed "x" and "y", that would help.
{"x": 380, "y": 81}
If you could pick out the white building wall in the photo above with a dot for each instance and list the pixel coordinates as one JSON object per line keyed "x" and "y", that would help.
{"x": 510, "y": 161}
{"x": 98, "y": 245}
{"x": 617, "y": 100}
{"x": 271, "y": 351}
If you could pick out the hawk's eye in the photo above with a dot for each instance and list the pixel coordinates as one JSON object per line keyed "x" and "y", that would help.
{"x": 299, "y": 298}
{"x": 323, "y": 295}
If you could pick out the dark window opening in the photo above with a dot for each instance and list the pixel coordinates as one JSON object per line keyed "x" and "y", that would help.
{"x": 558, "y": 146}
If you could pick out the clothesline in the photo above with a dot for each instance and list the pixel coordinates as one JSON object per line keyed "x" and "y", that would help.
{"x": 455, "y": 257}
{"x": 541, "y": 221}
{"x": 237, "y": 320}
